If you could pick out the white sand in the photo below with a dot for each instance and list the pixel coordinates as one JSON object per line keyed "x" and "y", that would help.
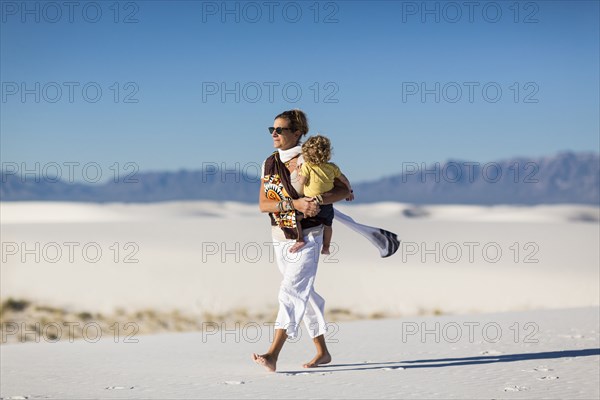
{"x": 517, "y": 355}
{"x": 210, "y": 257}
{"x": 200, "y": 257}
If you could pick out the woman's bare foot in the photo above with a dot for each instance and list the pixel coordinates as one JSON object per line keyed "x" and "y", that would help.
{"x": 318, "y": 360}
{"x": 266, "y": 360}
{"x": 325, "y": 250}
{"x": 297, "y": 246}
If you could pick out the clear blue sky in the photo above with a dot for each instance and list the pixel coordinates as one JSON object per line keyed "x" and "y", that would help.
{"x": 367, "y": 56}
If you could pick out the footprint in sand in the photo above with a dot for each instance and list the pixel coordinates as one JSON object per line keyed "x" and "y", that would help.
{"x": 548, "y": 378}
{"x": 119, "y": 387}
{"x": 15, "y": 398}
{"x": 577, "y": 336}
{"x": 538, "y": 369}
{"x": 306, "y": 373}
{"x": 234, "y": 382}
{"x": 392, "y": 368}
{"x": 515, "y": 388}
{"x": 490, "y": 353}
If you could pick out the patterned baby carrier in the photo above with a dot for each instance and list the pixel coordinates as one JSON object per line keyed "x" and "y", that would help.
{"x": 278, "y": 186}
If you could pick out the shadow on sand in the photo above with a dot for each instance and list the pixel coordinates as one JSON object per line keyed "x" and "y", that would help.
{"x": 448, "y": 362}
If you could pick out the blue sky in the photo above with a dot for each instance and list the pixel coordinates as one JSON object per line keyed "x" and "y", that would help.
{"x": 355, "y": 63}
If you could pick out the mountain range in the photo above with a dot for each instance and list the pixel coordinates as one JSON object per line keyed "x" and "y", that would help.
{"x": 566, "y": 177}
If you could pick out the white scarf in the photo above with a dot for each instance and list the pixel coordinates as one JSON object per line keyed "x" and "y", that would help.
{"x": 287, "y": 155}
{"x": 386, "y": 242}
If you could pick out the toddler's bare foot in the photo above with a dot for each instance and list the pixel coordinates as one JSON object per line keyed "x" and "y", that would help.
{"x": 266, "y": 360}
{"x": 325, "y": 250}
{"x": 318, "y": 360}
{"x": 297, "y": 246}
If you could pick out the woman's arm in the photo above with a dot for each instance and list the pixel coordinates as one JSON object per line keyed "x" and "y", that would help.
{"x": 305, "y": 205}
{"x": 346, "y": 182}
{"x": 339, "y": 192}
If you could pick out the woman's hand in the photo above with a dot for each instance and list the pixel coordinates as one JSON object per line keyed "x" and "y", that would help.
{"x": 308, "y": 206}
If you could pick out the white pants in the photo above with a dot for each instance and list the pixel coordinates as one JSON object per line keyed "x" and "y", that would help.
{"x": 298, "y": 300}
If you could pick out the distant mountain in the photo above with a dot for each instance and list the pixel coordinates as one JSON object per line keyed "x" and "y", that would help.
{"x": 563, "y": 178}
{"x": 147, "y": 187}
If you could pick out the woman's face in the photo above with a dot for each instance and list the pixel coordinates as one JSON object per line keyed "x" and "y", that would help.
{"x": 287, "y": 139}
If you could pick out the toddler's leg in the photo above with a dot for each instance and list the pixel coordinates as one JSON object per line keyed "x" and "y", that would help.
{"x": 327, "y": 234}
{"x": 300, "y": 241}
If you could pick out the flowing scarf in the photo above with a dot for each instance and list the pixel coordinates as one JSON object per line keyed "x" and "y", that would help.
{"x": 386, "y": 242}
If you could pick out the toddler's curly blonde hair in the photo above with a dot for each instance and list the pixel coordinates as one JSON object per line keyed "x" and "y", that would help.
{"x": 317, "y": 150}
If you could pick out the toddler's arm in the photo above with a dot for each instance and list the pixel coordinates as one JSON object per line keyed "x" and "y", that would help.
{"x": 301, "y": 178}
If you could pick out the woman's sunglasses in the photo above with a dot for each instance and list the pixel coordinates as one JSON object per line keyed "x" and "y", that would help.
{"x": 279, "y": 130}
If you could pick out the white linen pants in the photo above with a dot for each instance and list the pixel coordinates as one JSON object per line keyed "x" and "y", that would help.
{"x": 298, "y": 300}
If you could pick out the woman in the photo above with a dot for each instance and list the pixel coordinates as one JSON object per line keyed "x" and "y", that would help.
{"x": 298, "y": 300}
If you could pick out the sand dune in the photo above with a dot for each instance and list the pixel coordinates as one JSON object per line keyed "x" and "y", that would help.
{"x": 200, "y": 257}
{"x": 66, "y": 212}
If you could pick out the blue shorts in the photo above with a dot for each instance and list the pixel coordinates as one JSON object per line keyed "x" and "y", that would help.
{"x": 326, "y": 214}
